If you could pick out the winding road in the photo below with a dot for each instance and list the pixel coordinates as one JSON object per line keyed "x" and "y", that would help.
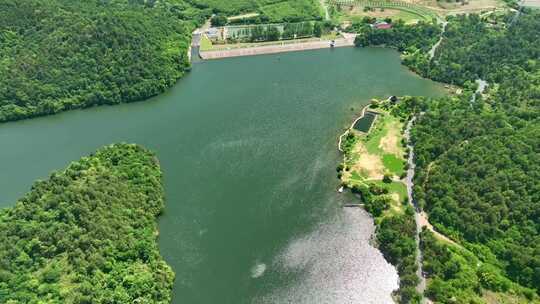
{"x": 421, "y": 287}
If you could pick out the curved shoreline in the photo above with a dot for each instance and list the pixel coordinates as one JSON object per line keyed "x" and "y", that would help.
{"x": 352, "y": 125}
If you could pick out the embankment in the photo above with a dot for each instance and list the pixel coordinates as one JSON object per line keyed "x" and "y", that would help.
{"x": 278, "y": 48}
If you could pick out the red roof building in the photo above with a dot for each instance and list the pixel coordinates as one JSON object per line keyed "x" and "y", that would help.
{"x": 383, "y": 26}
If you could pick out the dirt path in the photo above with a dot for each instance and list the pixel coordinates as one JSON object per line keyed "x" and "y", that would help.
{"x": 436, "y": 45}
{"x": 424, "y": 222}
{"x": 482, "y": 85}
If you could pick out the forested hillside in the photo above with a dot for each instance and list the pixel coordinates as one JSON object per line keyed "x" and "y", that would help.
{"x": 61, "y": 54}
{"x": 478, "y": 162}
{"x": 88, "y": 234}
{"x": 268, "y": 10}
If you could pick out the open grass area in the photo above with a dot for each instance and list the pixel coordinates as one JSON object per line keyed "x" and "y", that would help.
{"x": 293, "y": 11}
{"x": 206, "y": 44}
{"x": 394, "y": 164}
{"x": 376, "y": 154}
{"x": 380, "y": 151}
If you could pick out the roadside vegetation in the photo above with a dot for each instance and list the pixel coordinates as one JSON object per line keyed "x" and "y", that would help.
{"x": 373, "y": 168}
{"x": 477, "y": 160}
{"x": 88, "y": 234}
{"x": 265, "y": 11}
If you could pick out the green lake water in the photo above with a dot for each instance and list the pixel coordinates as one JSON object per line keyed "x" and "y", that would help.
{"x": 248, "y": 150}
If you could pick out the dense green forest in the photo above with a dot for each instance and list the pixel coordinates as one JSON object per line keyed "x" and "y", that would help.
{"x": 88, "y": 234}
{"x": 401, "y": 36}
{"x": 455, "y": 272}
{"x": 395, "y": 235}
{"x": 268, "y": 10}
{"x": 60, "y": 54}
{"x": 478, "y": 162}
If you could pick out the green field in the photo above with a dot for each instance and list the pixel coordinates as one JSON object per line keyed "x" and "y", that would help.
{"x": 385, "y": 123}
{"x": 293, "y": 11}
{"x": 378, "y": 153}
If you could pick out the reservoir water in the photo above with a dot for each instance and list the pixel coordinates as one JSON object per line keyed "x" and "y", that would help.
{"x": 248, "y": 150}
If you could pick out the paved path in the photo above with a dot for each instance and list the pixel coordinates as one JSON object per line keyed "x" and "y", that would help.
{"x": 277, "y": 48}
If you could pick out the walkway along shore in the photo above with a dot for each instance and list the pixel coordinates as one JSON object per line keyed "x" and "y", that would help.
{"x": 352, "y": 126}
{"x": 348, "y": 40}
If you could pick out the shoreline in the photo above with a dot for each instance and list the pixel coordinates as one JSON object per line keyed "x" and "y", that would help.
{"x": 364, "y": 109}
{"x": 398, "y": 212}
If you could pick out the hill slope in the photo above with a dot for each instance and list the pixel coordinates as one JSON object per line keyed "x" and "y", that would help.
{"x": 59, "y": 55}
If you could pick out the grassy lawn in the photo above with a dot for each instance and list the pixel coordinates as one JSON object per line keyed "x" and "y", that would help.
{"x": 387, "y": 130}
{"x": 206, "y": 44}
{"x": 379, "y": 152}
{"x": 293, "y": 10}
{"x": 394, "y": 187}
{"x": 376, "y": 153}
{"x": 394, "y": 164}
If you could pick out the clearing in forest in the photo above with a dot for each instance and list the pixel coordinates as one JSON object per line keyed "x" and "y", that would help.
{"x": 377, "y": 158}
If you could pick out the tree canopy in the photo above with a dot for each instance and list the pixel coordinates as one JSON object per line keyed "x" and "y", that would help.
{"x": 58, "y": 55}
{"x": 478, "y": 160}
{"x": 88, "y": 234}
